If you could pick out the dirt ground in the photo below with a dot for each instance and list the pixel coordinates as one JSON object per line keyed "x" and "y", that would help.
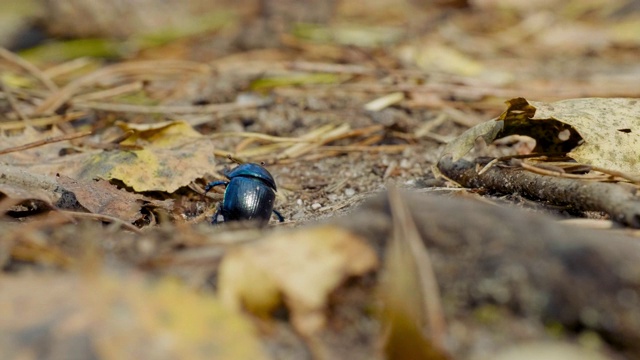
{"x": 340, "y": 102}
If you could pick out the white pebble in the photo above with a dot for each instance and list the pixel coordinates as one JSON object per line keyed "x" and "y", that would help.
{"x": 316, "y": 206}
{"x": 299, "y": 202}
{"x": 349, "y": 192}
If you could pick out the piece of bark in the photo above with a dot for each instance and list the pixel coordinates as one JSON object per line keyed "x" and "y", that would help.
{"x": 524, "y": 262}
{"x": 619, "y": 201}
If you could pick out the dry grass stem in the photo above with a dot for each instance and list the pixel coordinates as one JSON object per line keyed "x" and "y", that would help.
{"x": 13, "y": 102}
{"x": 331, "y": 68}
{"x": 113, "y": 92}
{"x": 144, "y": 69}
{"x": 167, "y": 109}
{"x": 42, "y": 121}
{"x": 258, "y": 136}
{"x": 542, "y": 171}
{"x": 430, "y": 125}
{"x": 30, "y": 68}
{"x": 67, "y": 67}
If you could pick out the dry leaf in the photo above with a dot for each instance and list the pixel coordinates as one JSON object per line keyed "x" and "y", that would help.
{"x": 103, "y": 316}
{"x": 300, "y": 268}
{"x": 100, "y": 197}
{"x": 610, "y": 129}
{"x": 173, "y": 156}
{"x": 595, "y": 131}
{"x": 19, "y": 184}
{"x": 438, "y": 57}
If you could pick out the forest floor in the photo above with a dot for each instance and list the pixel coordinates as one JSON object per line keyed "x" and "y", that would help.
{"x": 106, "y": 245}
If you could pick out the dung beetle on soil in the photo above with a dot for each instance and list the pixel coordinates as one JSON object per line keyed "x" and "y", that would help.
{"x": 249, "y": 195}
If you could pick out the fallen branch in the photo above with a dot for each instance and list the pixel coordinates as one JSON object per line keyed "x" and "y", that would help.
{"x": 617, "y": 200}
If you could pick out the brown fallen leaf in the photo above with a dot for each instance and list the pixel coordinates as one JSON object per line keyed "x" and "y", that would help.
{"x": 100, "y": 197}
{"x": 300, "y": 267}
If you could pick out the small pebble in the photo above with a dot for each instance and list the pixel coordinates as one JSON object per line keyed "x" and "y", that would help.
{"x": 349, "y": 192}
{"x": 316, "y": 206}
{"x": 299, "y": 202}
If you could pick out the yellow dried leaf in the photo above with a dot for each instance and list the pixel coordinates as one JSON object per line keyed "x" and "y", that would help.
{"x": 626, "y": 31}
{"x": 174, "y": 155}
{"x": 439, "y": 57}
{"x": 303, "y": 267}
{"x": 162, "y": 135}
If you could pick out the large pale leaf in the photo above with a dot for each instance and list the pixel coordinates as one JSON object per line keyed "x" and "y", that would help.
{"x": 596, "y": 131}
{"x": 610, "y": 129}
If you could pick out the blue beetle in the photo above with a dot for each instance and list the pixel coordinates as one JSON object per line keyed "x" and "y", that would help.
{"x": 249, "y": 195}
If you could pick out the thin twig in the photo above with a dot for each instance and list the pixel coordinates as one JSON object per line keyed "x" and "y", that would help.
{"x": 45, "y": 141}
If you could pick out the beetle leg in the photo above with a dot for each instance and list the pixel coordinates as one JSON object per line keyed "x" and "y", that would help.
{"x": 215, "y": 216}
{"x": 213, "y": 184}
{"x": 278, "y": 215}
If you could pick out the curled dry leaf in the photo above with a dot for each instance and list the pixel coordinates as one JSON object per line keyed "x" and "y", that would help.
{"x": 20, "y": 185}
{"x": 20, "y": 194}
{"x": 595, "y": 131}
{"x": 300, "y": 268}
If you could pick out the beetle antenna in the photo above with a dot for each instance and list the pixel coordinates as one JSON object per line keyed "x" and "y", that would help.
{"x": 235, "y": 159}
